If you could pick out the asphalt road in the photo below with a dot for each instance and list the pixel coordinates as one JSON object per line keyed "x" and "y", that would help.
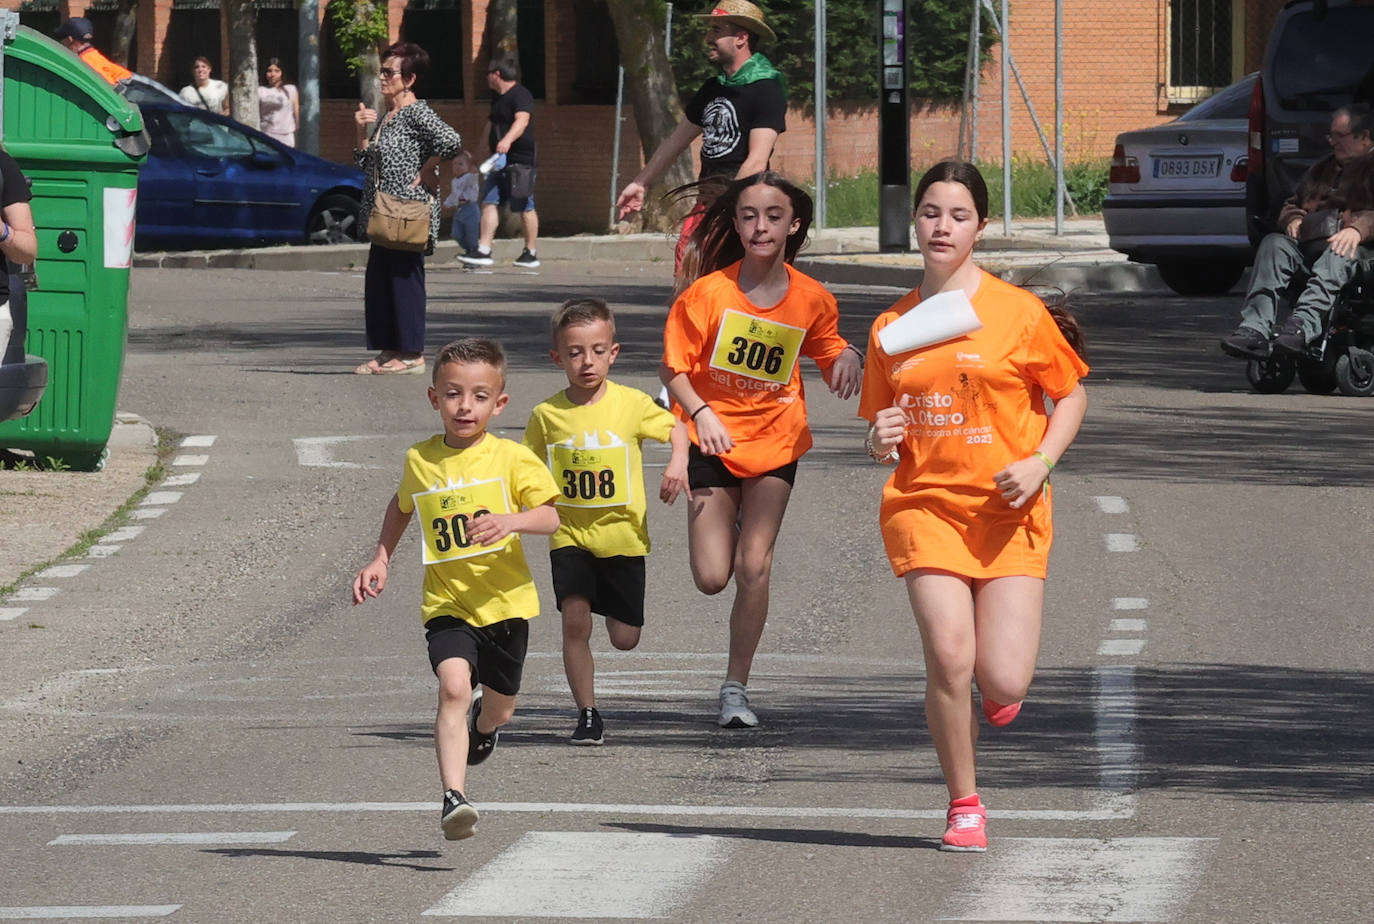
{"x": 204, "y": 729}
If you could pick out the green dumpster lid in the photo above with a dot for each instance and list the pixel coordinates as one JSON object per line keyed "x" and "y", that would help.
{"x": 44, "y": 53}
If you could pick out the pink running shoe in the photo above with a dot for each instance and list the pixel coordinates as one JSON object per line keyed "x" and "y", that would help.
{"x": 968, "y": 829}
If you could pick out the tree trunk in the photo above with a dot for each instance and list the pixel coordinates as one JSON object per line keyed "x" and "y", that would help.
{"x": 243, "y": 61}
{"x": 502, "y": 19}
{"x": 125, "y": 21}
{"x": 650, "y": 89}
{"x": 369, "y": 81}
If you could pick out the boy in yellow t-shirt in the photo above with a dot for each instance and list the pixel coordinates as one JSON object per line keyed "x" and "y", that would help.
{"x": 590, "y": 435}
{"x": 475, "y": 494}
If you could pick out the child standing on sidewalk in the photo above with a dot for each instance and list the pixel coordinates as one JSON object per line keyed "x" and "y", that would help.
{"x": 475, "y": 494}
{"x": 462, "y": 201}
{"x": 590, "y": 433}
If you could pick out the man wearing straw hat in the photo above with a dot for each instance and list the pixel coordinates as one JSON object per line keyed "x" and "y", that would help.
{"x": 738, "y": 113}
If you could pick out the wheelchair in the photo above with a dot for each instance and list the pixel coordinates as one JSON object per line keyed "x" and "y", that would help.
{"x": 1342, "y": 358}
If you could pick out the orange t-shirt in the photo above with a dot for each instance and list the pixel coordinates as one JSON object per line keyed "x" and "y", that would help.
{"x": 743, "y": 360}
{"x": 973, "y": 404}
{"x": 103, "y": 66}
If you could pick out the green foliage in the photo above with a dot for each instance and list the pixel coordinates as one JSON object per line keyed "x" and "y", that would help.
{"x": 358, "y": 26}
{"x": 937, "y": 46}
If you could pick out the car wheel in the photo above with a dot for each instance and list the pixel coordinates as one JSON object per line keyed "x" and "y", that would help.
{"x": 1270, "y": 376}
{"x": 335, "y": 221}
{"x": 1201, "y": 277}
{"x": 1355, "y": 373}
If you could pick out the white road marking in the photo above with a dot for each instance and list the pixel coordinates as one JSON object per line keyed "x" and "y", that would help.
{"x": 180, "y": 481}
{"x": 1130, "y": 603}
{"x": 198, "y": 442}
{"x": 171, "y": 839}
{"x": 62, "y": 571}
{"x": 1092, "y": 880}
{"x": 1121, "y": 647}
{"x": 548, "y": 874}
{"x": 1127, "y": 625}
{"x": 147, "y": 513}
{"x": 1110, "y": 809}
{"x": 318, "y": 451}
{"x": 123, "y": 534}
{"x": 12, "y": 612}
{"x": 1110, "y": 504}
{"x": 55, "y": 912}
{"x": 156, "y": 498}
{"x": 103, "y": 549}
{"x": 190, "y": 458}
{"x": 1114, "y": 711}
{"x": 1123, "y": 542}
{"x": 34, "y": 593}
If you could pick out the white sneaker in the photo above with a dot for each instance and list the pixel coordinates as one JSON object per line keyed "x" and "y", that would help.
{"x": 734, "y": 706}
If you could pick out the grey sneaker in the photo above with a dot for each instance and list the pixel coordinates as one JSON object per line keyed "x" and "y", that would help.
{"x": 457, "y": 816}
{"x": 527, "y": 259}
{"x": 476, "y": 257}
{"x": 1246, "y": 343}
{"x": 734, "y": 706}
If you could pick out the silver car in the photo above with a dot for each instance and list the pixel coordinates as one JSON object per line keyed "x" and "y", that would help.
{"x": 1177, "y": 194}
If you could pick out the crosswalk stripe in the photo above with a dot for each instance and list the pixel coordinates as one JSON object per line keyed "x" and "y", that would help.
{"x": 593, "y": 874}
{"x": 68, "y": 912}
{"x": 171, "y": 839}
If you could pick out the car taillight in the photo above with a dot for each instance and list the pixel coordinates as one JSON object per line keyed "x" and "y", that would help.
{"x": 1124, "y": 169}
{"x": 1256, "y": 152}
{"x": 1240, "y": 170}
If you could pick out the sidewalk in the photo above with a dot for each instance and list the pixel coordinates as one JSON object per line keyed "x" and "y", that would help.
{"x": 1079, "y": 259}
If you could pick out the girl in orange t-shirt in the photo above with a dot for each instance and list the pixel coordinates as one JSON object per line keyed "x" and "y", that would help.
{"x": 966, "y": 516}
{"x": 731, "y": 353}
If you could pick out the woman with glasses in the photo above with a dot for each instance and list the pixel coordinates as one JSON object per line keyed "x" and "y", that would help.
{"x": 393, "y": 151}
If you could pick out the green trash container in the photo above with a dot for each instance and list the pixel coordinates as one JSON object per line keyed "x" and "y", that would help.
{"x": 80, "y": 144}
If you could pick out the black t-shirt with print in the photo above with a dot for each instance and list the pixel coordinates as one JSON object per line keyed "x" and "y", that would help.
{"x": 503, "y": 110}
{"x": 727, "y": 115}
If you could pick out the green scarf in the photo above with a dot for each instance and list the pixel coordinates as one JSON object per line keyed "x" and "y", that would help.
{"x": 756, "y": 68}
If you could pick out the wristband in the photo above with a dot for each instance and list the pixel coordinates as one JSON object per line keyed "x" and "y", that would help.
{"x": 8, "y": 230}
{"x": 857, "y": 352}
{"x": 1049, "y": 463}
{"x": 694, "y": 414}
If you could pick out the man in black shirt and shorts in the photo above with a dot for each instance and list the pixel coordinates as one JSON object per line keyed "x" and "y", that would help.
{"x": 508, "y": 133}
{"x": 739, "y": 113}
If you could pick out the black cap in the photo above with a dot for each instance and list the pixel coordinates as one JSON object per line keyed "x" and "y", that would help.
{"x": 77, "y": 27}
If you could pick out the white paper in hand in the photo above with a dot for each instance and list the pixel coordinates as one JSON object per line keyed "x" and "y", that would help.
{"x": 936, "y": 319}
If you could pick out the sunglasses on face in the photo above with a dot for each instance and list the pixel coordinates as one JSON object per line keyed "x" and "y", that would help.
{"x": 387, "y": 73}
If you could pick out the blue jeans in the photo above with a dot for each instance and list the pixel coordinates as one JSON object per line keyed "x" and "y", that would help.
{"x": 465, "y": 225}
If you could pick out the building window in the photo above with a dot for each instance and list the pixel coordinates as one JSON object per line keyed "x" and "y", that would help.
{"x": 1199, "y": 48}
{"x": 422, "y": 22}
{"x": 192, "y": 32}
{"x": 596, "y": 57}
{"x": 529, "y": 33}
{"x": 277, "y": 37}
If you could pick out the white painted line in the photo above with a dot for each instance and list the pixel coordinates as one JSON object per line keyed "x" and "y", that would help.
{"x": 198, "y": 442}
{"x": 34, "y": 593}
{"x": 156, "y": 498}
{"x": 56, "y": 912}
{"x": 1092, "y": 880}
{"x": 190, "y": 459}
{"x": 1114, "y": 711}
{"x": 62, "y": 571}
{"x": 1127, "y": 625}
{"x": 180, "y": 481}
{"x": 1122, "y": 542}
{"x": 12, "y": 612}
{"x": 1121, "y": 647}
{"x": 147, "y": 513}
{"x": 123, "y": 534}
{"x": 1110, "y": 504}
{"x": 548, "y": 874}
{"x": 177, "y": 839}
{"x": 1130, "y": 603}
{"x": 1108, "y": 809}
{"x": 318, "y": 451}
{"x": 103, "y": 549}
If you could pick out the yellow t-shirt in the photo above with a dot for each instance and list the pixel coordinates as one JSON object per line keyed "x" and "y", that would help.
{"x": 594, "y": 453}
{"x": 450, "y": 487}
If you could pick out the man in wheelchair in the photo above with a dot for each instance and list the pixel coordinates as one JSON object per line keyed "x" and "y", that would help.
{"x": 1325, "y": 229}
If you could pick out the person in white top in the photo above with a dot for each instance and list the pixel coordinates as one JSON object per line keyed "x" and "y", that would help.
{"x": 204, "y": 92}
{"x": 279, "y": 105}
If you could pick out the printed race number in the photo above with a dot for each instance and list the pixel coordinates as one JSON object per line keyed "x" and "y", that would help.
{"x": 447, "y": 514}
{"x": 591, "y": 477}
{"x": 756, "y": 347}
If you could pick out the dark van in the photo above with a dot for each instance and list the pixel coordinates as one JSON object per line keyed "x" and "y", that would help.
{"x": 1320, "y": 57}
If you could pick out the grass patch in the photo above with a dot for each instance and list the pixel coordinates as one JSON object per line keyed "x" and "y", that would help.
{"x": 853, "y": 201}
{"x": 166, "y": 444}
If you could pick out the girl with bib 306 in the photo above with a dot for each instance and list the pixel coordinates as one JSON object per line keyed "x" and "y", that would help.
{"x": 731, "y": 351}
{"x": 966, "y": 514}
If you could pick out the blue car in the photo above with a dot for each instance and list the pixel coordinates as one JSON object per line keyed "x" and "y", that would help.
{"x": 211, "y": 181}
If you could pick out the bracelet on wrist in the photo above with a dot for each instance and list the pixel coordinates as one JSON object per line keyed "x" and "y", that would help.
{"x": 694, "y": 414}
{"x": 886, "y": 458}
{"x": 857, "y": 352}
{"x": 1049, "y": 463}
{"x": 8, "y": 231}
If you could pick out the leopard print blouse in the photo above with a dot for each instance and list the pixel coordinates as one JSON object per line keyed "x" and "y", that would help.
{"x": 400, "y": 145}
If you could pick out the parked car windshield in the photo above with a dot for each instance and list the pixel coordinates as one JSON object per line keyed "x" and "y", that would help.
{"x": 205, "y": 138}
{"x": 1319, "y": 61}
{"x": 1231, "y": 103}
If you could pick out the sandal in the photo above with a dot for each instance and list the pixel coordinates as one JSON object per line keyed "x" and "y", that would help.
{"x": 371, "y": 367}
{"x": 399, "y": 366}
